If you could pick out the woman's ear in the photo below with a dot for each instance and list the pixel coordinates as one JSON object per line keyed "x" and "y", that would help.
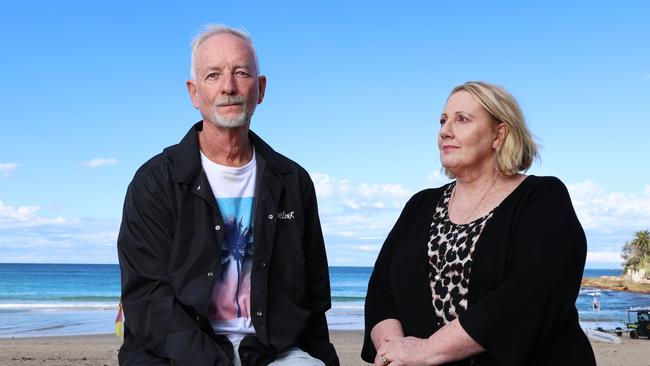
{"x": 501, "y": 131}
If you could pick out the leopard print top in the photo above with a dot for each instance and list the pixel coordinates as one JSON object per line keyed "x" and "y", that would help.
{"x": 450, "y": 251}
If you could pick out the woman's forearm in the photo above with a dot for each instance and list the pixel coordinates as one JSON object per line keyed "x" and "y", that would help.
{"x": 384, "y": 330}
{"x": 451, "y": 343}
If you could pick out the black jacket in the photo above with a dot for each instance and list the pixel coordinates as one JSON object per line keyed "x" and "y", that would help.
{"x": 169, "y": 250}
{"x": 526, "y": 272}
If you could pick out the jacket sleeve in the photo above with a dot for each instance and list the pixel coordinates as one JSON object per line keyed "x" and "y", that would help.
{"x": 379, "y": 304}
{"x": 549, "y": 251}
{"x": 315, "y": 337}
{"x": 155, "y": 321}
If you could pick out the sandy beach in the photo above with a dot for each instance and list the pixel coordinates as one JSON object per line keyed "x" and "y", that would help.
{"x": 102, "y": 350}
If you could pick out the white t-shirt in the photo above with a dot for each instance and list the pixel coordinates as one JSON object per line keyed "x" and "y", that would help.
{"x": 234, "y": 190}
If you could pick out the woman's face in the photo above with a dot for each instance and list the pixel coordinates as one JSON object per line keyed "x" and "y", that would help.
{"x": 468, "y": 136}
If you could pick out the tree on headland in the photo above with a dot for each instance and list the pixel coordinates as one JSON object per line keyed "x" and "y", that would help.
{"x": 636, "y": 253}
{"x": 641, "y": 242}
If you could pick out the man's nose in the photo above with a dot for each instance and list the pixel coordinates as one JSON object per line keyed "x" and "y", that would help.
{"x": 228, "y": 85}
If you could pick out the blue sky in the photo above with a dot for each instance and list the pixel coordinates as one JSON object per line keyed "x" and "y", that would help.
{"x": 91, "y": 90}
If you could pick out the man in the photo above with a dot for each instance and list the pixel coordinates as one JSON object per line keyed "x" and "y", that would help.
{"x": 220, "y": 247}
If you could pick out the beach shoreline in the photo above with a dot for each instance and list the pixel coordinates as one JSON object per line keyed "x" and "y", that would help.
{"x": 101, "y": 349}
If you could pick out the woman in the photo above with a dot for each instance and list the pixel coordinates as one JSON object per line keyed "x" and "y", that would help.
{"x": 484, "y": 270}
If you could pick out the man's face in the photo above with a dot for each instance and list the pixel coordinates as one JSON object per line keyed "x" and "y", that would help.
{"x": 227, "y": 87}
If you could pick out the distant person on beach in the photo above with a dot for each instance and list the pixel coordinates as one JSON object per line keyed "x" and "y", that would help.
{"x": 221, "y": 250}
{"x": 484, "y": 270}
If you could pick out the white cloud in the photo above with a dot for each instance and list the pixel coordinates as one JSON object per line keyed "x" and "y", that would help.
{"x": 327, "y": 186}
{"x": 101, "y": 238}
{"x": 27, "y": 236}
{"x": 24, "y": 216}
{"x": 347, "y": 223}
{"x": 99, "y": 162}
{"x": 437, "y": 179}
{"x": 609, "y": 218}
{"x": 603, "y": 257}
{"x": 371, "y": 238}
{"x": 367, "y": 248}
{"x": 21, "y": 213}
{"x": 609, "y": 212}
{"x": 356, "y": 217}
{"x": 345, "y": 261}
{"x": 361, "y": 196}
{"x": 7, "y": 169}
{"x": 373, "y": 190}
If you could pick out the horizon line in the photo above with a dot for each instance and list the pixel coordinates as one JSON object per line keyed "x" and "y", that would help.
{"x": 117, "y": 264}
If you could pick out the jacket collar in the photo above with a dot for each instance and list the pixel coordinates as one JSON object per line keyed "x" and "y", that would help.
{"x": 185, "y": 156}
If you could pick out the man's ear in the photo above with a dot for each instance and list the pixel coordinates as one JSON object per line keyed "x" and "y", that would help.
{"x": 261, "y": 81}
{"x": 191, "y": 88}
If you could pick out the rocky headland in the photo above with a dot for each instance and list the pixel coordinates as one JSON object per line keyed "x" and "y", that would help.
{"x": 617, "y": 284}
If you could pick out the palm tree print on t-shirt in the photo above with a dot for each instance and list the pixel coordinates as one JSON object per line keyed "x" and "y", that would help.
{"x": 231, "y": 293}
{"x": 237, "y": 248}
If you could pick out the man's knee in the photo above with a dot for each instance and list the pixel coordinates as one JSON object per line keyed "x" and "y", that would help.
{"x": 294, "y": 356}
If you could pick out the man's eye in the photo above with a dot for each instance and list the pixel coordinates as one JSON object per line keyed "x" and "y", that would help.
{"x": 442, "y": 121}
{"x": 212, "y": 75}
{"x": 243, "y": 74}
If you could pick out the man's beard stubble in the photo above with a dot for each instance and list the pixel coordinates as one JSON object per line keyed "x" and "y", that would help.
{"x": 238, "y": 120}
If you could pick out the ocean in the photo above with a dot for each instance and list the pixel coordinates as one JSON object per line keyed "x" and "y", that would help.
{"x": 71, "y": 299}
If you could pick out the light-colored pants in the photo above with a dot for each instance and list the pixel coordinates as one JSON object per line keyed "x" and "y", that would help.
{"x": 294, "y": 356}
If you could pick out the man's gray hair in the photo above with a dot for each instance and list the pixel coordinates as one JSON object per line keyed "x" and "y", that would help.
{"x": 211, "y": 30}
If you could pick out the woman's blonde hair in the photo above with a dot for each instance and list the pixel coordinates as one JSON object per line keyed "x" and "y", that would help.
{"x": 518, "y": 150}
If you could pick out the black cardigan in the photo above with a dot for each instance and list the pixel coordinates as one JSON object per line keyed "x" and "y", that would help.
{"x": 526, "y": 272}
